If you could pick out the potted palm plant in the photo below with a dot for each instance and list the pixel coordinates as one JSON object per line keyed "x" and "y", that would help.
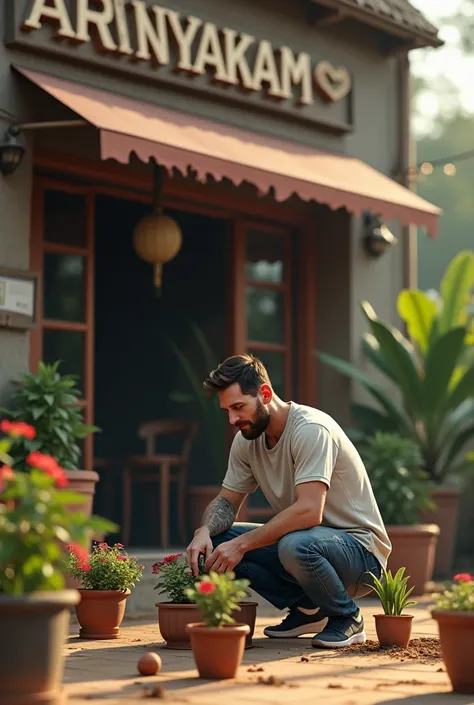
{"x": 454, "y": 614}
{"x": 175, "y": 578}
{"x": 36, "y": 520}
{"x": 393, "y": 628}
{"x": 403, "y": 491}
{"x": 107, "y": 577}
{"x": 432, "y": 371}
{"x": 218, "y": 642}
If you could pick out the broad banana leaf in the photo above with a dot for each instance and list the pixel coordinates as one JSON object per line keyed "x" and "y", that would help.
{"x": 394, "y": 412}
{"x": 400, "y": 361}
{"x": 462, "y": 391}
{"x": 441, "y": 361}
{"x": 375, "y": 354}
{"x": 418, "y": 312}
{"x": 456, "y": 289}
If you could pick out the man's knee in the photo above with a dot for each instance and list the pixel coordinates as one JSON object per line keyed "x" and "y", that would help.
{"x": 289, "y": 549}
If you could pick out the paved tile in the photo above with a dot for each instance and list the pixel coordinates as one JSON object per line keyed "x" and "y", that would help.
{"x": 107, "y": 671}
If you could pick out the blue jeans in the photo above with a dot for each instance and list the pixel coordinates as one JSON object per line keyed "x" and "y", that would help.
{"x": 319, "y": 567}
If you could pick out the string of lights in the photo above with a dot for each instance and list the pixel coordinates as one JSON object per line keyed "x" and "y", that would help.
{"x": 427, "y": 167}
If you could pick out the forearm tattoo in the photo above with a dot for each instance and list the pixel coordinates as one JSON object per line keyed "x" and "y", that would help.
{"x": 219, "y": 516}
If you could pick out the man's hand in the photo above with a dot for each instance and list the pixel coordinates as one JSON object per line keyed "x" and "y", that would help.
{"x": 225, "y": 557}
{"x": 201, "y": 544}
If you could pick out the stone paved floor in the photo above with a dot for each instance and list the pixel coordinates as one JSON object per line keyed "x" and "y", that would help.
{"x": 107, "y": 671}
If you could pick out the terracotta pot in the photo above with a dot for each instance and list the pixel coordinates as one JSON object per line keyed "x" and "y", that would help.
{"x": 34, "y": 629}
{"x": 100, "y": 613}
{"x": 456, "y": 633}
{"x": 84, "y": 482}
{"x": 218, "y": 651}
{"x": 445, "y": 515}
{"x": 173, "y": 618}
{"x": 393, "y": 630}
{"x": 414, "y": 547}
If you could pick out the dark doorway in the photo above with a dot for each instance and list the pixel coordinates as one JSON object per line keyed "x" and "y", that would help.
{"x": 136, "y": 372}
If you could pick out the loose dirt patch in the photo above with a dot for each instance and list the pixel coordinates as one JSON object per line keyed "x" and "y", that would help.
{"x": 425, "y": 650}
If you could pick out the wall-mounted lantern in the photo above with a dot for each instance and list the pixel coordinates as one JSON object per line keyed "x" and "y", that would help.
{"x": 377, "y": 237}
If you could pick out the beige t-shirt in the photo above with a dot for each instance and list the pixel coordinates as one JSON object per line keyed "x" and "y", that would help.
{"x": 312, "y": 447}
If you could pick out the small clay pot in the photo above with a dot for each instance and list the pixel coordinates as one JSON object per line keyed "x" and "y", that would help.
{"x": 218, "y": 651}
{"x": 393, "y": 630}
{"x": 100, "y": 613}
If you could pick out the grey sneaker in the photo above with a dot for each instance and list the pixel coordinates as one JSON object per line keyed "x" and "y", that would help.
{"x": 297, "y": 622}
{"x": 341, "y": 631}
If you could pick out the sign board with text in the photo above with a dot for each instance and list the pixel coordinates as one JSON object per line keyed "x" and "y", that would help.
{"x": 18, "y": 299}
{"x": 150, "y": 41}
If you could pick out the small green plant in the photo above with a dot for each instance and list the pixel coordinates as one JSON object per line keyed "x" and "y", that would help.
{"x": 459, "y": 597}
{"x": 217, "y": 597}
{"x": 106, "y": 568}
{"x": 393, "y": 592}
{"x": 36, "y": 519}
{"x": 48, "y": 401}
{"x": 400, "y": 486}
{"x": 175, "y": 577}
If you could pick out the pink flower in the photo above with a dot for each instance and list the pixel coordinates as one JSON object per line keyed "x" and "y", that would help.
{"x": 463, "y": 578}
{"x": 206, "y": 588}
{"x": 103, "y": 546}
{"x": 118, "y": 545}
{"x": 155, "y": 568}
{"x": 122, "y": 558}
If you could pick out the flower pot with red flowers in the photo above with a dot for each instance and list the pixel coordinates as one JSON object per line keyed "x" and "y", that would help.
{"x": 393, "y": 628}
{"x": 454, "y": 614}
{"x": 36, "y": 519}
{"x": 174, "y": 579}
{"x": 218, "y": 642}
{"x": 107, "y": 577}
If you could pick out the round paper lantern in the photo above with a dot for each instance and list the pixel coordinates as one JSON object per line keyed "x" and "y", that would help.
{"x": 157, "y": 239}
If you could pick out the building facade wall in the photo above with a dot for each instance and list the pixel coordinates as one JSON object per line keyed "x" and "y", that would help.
{"x": 344, "y": 273}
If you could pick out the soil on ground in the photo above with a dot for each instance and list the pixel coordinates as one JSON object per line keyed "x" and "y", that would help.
{"x": 424, "y": 649}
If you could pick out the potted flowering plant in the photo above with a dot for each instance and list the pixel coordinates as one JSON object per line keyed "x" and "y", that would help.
{"x": 175, "y": 578}
{"x": 36, "y": 521}
{"x": 218, "y": 642}
{"x": 393, "y": 627}
{"x": 455, "y": 616}
{"x": 107, "y": 577}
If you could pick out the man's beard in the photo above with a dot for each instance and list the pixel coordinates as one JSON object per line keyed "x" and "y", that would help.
{"x": 254, "y": 429}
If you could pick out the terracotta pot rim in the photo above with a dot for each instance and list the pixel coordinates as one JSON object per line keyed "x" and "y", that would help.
{"x": 103, "y": 594}
{"x": 415, "y": 529}
{"x": 201, "y": 628}
{"x": 446, "y": 491}
{"x": 82, "y": 475}
{"x": 41, "y": 599}
{"x": 180, "y": 605}
{"x": 452, "y": 614}
{"x": 394, "y": 616}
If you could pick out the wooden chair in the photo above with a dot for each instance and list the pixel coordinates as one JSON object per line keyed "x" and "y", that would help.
{"x": 162, "y": 469}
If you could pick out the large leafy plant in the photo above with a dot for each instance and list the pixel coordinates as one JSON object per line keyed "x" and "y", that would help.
{"x": 206, "y": 408}
{"x": 48, "y": 401}
{"x": 36, "y": 520}
{"x": 175, "y": 577}
{"x": 433, "y": 371}
{"x": 399, "y": 484}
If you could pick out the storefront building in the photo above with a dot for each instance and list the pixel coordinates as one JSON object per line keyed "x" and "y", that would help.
{"x": 275, "y": 136}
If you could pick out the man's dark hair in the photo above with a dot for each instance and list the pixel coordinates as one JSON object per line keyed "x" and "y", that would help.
{"x": 246, "y": 370}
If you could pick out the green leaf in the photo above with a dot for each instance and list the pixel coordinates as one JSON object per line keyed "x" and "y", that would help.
{"x": 370, "y": 420}
{"x": 456, "y": 288}
{"x": 69, "y": 497}
{"x": 396, "y": 353}
{"x": 372, "y": 349}
{"x": 462, "y": 391}
{"x": 418, "y": 312}
{"x": 396, "y": 413}
{"x": 441, "y": 361}
{"x": 459, "y": 442}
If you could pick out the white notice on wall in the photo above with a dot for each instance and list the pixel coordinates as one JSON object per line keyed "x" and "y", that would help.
{"x": 17, "y": 296}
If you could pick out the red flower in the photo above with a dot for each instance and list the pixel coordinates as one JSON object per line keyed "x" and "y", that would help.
{"x": 172, "y": 557}
{"x": 49, "y": 465}
{"x": 463, "y": 578}
{"x": 155, "y": 568}
{"x": 80, "y": 553}
{"x": 104, "y": 546}
{"x": 206, "y": 588}
{"x": 84, "y": 565}
{"x": 17, "y": 429}
{"x": 118, "y": 545}
{"x": 122, "y": 558}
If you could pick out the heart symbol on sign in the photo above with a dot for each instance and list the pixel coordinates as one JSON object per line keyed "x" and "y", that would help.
{"x": 333, "y": 83}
